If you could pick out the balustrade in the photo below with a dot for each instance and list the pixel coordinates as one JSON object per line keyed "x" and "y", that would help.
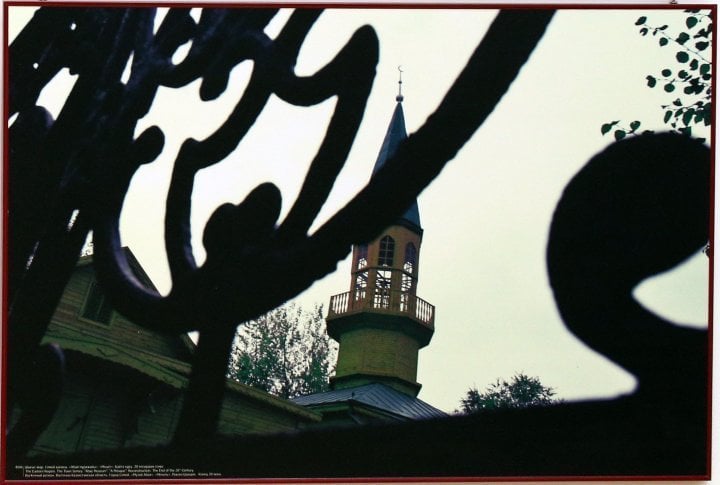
{"x": 396, "y": 302}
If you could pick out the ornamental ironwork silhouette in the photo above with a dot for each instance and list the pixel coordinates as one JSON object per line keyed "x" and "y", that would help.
{"x": 84, "y": 160}
{"x": 69, "y": 176}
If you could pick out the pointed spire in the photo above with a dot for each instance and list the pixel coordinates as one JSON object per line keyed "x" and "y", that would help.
{"x": 395, "y": 134}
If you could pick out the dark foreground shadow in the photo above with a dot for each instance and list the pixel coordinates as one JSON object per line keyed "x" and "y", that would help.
{"x": 636, "y": 209}
{"x": 627, "y": 437}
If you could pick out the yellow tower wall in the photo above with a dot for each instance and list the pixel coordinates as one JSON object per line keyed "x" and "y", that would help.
{"x": 374, "y": 351}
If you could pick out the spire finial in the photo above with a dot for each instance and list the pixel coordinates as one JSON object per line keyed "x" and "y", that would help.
{"x": 399, "y": 97}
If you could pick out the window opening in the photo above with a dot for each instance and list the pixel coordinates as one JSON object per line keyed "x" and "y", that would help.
{"x": 407, "y": 282}
{"x": 404, "y": 302}
{"x": 362, "y": 254}
{"x": 97, "y": 308}
{"x": 383, "y": 281}
{"x": 361, "y": 281}
{"x": 387, "y": 248}
{"x": 410, "y": 258}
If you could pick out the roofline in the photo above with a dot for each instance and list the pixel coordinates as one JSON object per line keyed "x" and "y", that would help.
{"x": 177, "y": 376}
{"x": 139, "y": 271}
{"x": 410, "y": 226}
{"x": 354, "y": 405}
{"x": 132, "y": 260}
{"x": 330, "y": 405}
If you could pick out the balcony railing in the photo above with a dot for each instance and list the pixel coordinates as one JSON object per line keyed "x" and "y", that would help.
{"x": 383, "y": 301}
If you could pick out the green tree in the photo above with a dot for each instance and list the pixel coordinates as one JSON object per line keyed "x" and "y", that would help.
{"x": 521, "y": 392}
{"x": 691, "y": 76}
{"x": 285, "y": 352}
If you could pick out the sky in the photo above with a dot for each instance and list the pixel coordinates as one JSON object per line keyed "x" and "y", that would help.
{"x": 486, "y": 218}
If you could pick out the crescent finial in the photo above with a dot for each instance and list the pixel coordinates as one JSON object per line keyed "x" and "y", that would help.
{"x": 399, "y": 97}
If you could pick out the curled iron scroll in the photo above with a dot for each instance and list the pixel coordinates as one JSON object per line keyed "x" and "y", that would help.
{"x": 87, "y": 157}
{"x": 93, "y": 154}
{"x": 638, "y": 208}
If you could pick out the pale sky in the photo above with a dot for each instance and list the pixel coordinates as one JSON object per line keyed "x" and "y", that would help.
{"x": 486, "y": 217}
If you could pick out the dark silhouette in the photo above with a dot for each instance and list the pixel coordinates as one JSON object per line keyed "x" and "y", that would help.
{"x": 87, "y": 157}
{"x": 639, "y": 208}
{"x": 522, "y": 391}
{"x": 636, "y": 209}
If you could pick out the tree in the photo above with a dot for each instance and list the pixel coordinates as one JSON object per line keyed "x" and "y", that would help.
{"x": 521, "y": 392}
{"x": 285, "y": 352}
{"x": 692, "y": 76}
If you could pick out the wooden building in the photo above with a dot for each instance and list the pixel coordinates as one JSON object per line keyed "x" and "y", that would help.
{"x": 124, "y": 384}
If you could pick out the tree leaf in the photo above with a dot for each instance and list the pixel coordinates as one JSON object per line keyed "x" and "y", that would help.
{"x": 651, "y": 81}
{"x": 634, "y": 125}
{"x": 677, "y": 102}
{"x": 691, "y": 22}
{"x": 668, "y": 115}
{"x": 606, "y": 127}
{"x": 666, "y": 72}
{"x": 663, "y": 41}
{"x": 701, "y": 46}
{"x": 703, "y": 33}
{"x": 619, "y": 134}
{"x": 669, "y": 87}
{"x": 641, "y": 20}
{"x": 682, "y": 56}
{"x": 688, "y": 116}
{"x": 682, "y": 38}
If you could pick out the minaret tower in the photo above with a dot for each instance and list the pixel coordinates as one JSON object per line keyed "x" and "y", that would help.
{"x": 380, "y": 323}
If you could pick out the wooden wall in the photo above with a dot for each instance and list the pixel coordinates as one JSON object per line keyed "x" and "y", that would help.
{"x": 124, "y": 385}
{"x": 120, "y": 329}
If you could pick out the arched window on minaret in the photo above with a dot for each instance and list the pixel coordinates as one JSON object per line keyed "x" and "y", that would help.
{"x": 407, "y": 286}
{"x": 362, "y": 254}
{"x": 383, "y": 279}
{"x": 410, "y": 258}
{"x": 387, "y": 251}
{"x": 361, "y": 272}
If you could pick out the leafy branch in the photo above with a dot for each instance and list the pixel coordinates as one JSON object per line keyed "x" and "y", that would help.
{"x": 693, "y": 76}
{"x": 621, "y": 132}
{"x": 682, "y": 38}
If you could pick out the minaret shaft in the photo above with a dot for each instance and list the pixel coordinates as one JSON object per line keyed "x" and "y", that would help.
{"x": 380, "y": 323}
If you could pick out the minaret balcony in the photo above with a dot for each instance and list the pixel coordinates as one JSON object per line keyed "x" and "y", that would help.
{"x": 383, "y": 302}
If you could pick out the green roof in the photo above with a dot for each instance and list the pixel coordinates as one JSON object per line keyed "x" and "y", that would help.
{"x": 377, "y": 396}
